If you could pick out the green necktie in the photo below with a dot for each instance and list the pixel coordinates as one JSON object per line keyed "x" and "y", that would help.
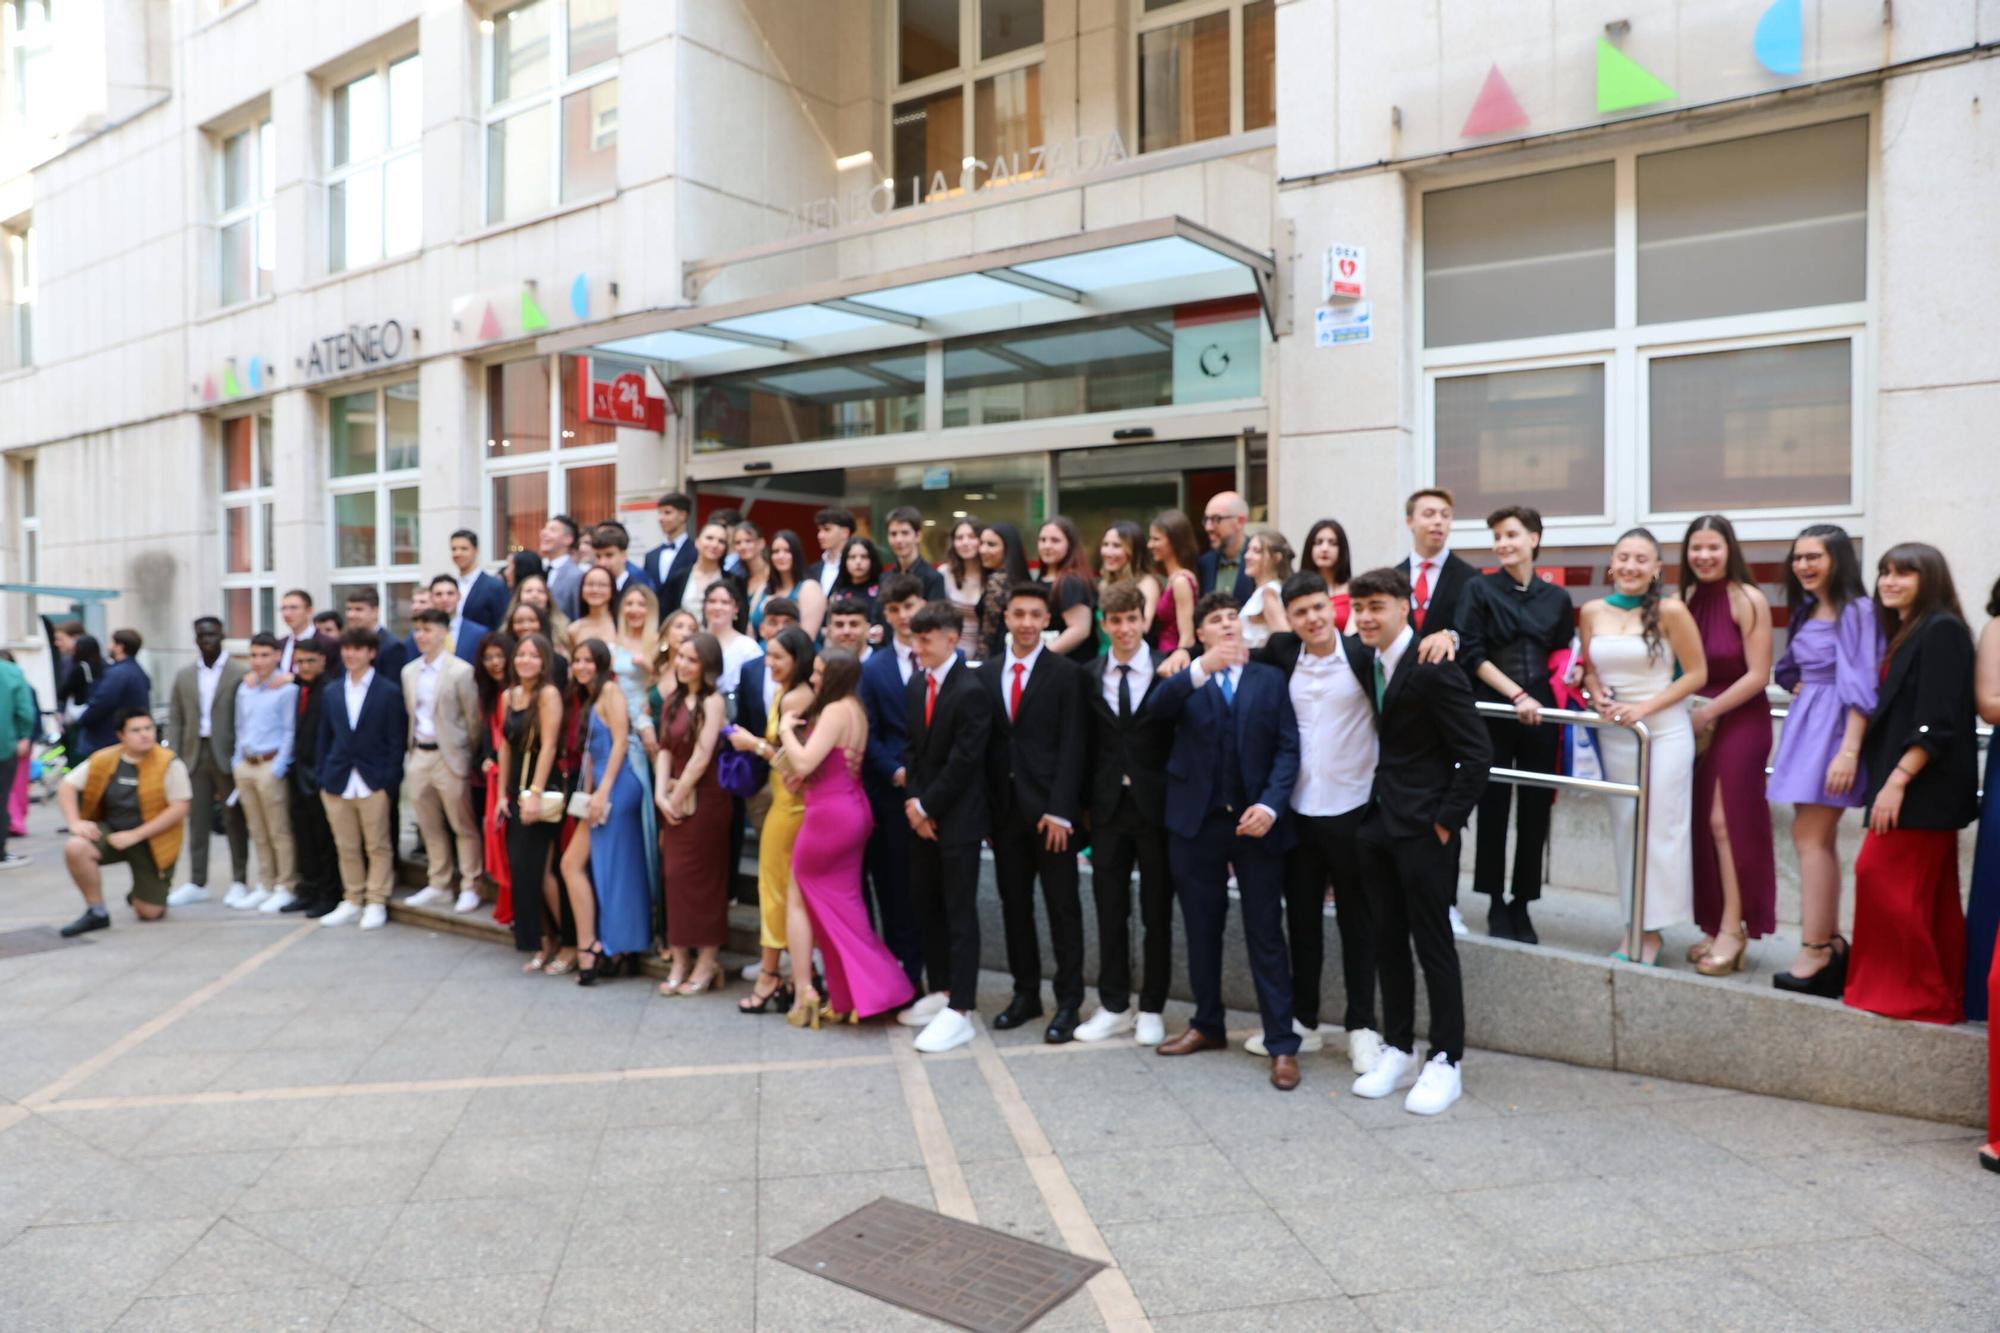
{"x": 1381, "y": 684}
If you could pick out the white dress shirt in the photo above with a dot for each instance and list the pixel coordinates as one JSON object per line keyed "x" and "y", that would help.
{"x": 427, "y": 683}
{"x": 465, "y": 582}
{"x": 1393, "y": 654}
{"x": 1435, "y": 565}
{"x": 1338, "y": 746}
{"x": 829, "y": 572}
{"x": 1142, "y": 676}
{"x": 287, "y": 645}
{"x": 207, "y": 680}
{"x": 906, "y": 661}
{"x": 356, "y": 694}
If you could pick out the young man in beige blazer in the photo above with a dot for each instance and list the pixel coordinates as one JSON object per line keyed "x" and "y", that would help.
{"x": 442, "y": 701}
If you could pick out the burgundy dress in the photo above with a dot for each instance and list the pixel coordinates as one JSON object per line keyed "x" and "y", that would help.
{"x": 862, "y": 977}
{"x": 694, "y": 854}
{"x": 1735, "y": 758}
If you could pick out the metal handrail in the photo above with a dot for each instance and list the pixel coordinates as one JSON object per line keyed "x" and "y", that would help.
{"x": 1982, "y": 739}
{"x": 1637, "y": 791}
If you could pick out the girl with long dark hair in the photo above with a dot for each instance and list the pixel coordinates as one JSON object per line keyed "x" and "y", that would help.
{"x": 1122, "y": 557}
{"x": 1005, "y": 563}
{"x": 1170, "y": 541}
{"x": 788, "y": 663}
{"x": 529, "y": 740}
{"x": 490, "y": 676}
{"x": 1071, "y": 594}
{"x": 964, "y": 577}
{"x": 607, "y": 865}
{"x": 1327, "y": 554}
{"x": 695, "y": 813}
{"x": 791, "y": 577}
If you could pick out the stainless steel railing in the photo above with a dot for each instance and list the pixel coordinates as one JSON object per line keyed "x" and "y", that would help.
{"x": 1982, "y": 737}
{"x": 1635, "y": 928}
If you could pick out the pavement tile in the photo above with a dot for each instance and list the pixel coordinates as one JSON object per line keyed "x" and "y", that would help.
{"x": 638, "y": 1156}
{"x": 714, "y": 1294}
{"x": 1333, "y": 1169}
{"x": 1973, "y": 1252}
{"x": 789, "y": 1210}
{"x": 1510, "y": 1305}
{"x": 112, "y": 1191}
{"x": 1518, "y": 1085}
{"x": 231, "y": 1127}
{"x": 338, "y": 1174}
{"x": 338, "y": 1240}
{"x": 1893, "y": 1188}
{"x": 1579, "y": 1223}
{"x": 362, "y": 1313}
{"x": 389, "y": 1119}
{"x": 683, "y": 1101}
{"x": 572, "y": 1110}
{"x": 144, "y": 1073}
{"x": 1874, "y": 1282}
{"x": 55, "y": 1278}
{"x": 231, "y": 1258}
{"x": 465, "y": 1238}
{"x": 1696, "y": 1293}
{"x": 1139, "y": 1185}
{"x": 497, "y": 1168}
{"x": 1335, "y": 1315}
{"x": 477, "y": 1303}
{"x": 979, "y": 1133}
{"x": 1404, "y": 1240}
{"x": 322, "y": 1067}
{"x": 661, "y": 1234}
{"x": 830, "y": 1094}
{"x": 288, "y": 1310}
{"x": 1173, "y": 1265}
{"x": 1007, "y": 1199}
{"x": 878, "y": 1141}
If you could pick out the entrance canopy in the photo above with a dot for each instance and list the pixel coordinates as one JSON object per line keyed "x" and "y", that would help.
{"x": 1162, "y": 262}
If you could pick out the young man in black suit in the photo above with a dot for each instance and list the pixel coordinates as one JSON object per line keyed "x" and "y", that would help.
{"x": 947, "y": 718}
{"x": 1034, "y": 779}
{"x": 906, "y": 530}
{"x": 319, "y": 879}
{"x": 885, "y": 683}
{"x": 1432, "y": 767}
{"x": 668, "y": 563}
{"x": 1128, "y": 786}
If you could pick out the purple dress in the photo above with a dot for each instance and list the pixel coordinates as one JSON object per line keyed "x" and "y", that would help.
{"x": 1735, "y": 760}
{"x": 1830, "y": 667}
{"x": 862, "y": 976}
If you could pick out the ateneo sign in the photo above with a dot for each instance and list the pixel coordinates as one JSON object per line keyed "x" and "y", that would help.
{"x": 357, "y": 347}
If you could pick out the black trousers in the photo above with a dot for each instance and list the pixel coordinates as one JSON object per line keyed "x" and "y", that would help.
{"x": 1536, "y": 750}
{"x": 887, "y": 863}
{"x": 1117, "y": 845}
{"x": 1201, "y": 868}
{"x": 742, "y": 888}
{"x": 944, "y": 893}
{"x": 312, "y": 841}
{"x": 8, "y": 762}
{"x": 1019, "y": 858}
{"x": 1326, "y": 854}
{"x": 1410, "y": 884}
{"x": 529, "y": 849}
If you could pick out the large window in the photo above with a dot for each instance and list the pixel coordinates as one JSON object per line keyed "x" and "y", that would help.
{"x": 968, "y": 105}
{"x": 248, "y": 567}
{"x": 30, "y": 44}
{"x": 551, "y": 105}
{"x": 1206, "y": 68}
{"x": 1654, "y": 336}
{"x": 371, "y": 453}
{"x": 17, "y": 252}
{"x": 246, "y": 173}
{"x": 531, "y": 405}
{"x": 375, "y": 185}
{"x": 850, "y": 397}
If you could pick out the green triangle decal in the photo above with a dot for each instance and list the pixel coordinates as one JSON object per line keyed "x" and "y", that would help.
{"x": 231, "y": 387}
{"x": 532, "y": 317}
{"x": 1623, "y": 83}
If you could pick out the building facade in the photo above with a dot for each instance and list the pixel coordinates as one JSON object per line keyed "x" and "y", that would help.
{"x": 294, "y": 290}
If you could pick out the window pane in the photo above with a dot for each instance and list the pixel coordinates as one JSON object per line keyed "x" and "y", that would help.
{"x": 520, "y": 508}
{"x": 354, "y": 530}
{"x": 1769, "y": 223}
{"x": 593, "y": 32}
{"x": 1260, "y": 65}
{"x": 236, "y": 540}
{"x": 590, "y": 142}
{"x": 267, "y": 250}
{"x": 927, "y": 38}
{"x": 521, "y": 50}
{"x": 590, "y": 494}
{"x": 399, "y": 401}
{"x": 239, "y": 276}
{"x": 1519, "y": 257}
{"x": 264, "y": 430}
{"x": 267, "y": 608}
{"x": 1007, "y": 122}
{"x": 267, "y": 161}
{"x": 577, "y": 432}
{"x": 356, "y": 208}
{"x": 265, "y": 515}
{"x": 517, "y": 408}
{"x": 842, "y": 398}
{"x": 350, "y": 435}
{"x": 406, "y": 101}
{"x": 359, "y": 120}
{"x": 928, "y": 139}
{"x": 403, "y": 548}
{"x": 517, "y": 164}
{"x": 237, "y": 612}
{"x": 238, "y": 170}
{"x": 1008, "y": 25}
{"x": 1763, "y": 427}
{"x": 403, "y": 220}
{"x": 1184, "y": 83}
{"x": 1532, "y": 437}
{"x": 239, "y": 450}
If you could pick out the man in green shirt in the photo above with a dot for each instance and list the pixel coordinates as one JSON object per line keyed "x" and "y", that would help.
{"x": 17, "y": 730}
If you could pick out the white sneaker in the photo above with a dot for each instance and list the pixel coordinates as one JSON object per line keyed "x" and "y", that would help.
{"x": 468, "y": 901}
{"x": 1310, "y": 1042}
{"x": 924, "y": 1010}
{"x": 1104, "y": 1024}
{"x": 341, "y": 915}
{"x": 752, "y": 971}
{"x": 1364, "y": 1048}
{"x": 1152, "y": 1029}
{"x": 428, "y": 896}
{"x": 374, "y": 916}
{"x": 1390, "y": 1066}
{"x": 252, "y": 900}
{"x": 1437, "y": 1087}
{"x": 187, "y": 895}
{"x": 948, "y": 1031}
{"x": 277, "y": 900}
{"x": 234, "y": 898}
{"x": 1458, "y": 923}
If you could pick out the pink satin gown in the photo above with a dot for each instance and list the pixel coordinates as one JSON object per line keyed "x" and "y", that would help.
{"x": 862, "y": 976}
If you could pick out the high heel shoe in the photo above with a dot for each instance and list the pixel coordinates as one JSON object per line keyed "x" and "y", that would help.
{"x": 807, "y": 1013}
{"x": 697, "y": 983}
{"x": 587, "y": 976}
{"x": 674, "y": 986}
{"x": 1829, "y": 983}
{"x": 1710, "y": 964}
{"x": 778, "y": 999}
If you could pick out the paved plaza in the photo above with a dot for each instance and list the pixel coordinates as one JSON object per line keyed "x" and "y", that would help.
{"x": 247, "y": 1122}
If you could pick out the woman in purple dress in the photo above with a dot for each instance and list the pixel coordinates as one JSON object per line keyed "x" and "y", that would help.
{"x": 862, "y": 977}
{"x": 1831, "y": 666}
{"x": 1735, "y": 871}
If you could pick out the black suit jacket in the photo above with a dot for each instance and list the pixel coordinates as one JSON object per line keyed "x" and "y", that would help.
{"x": 390, "y": 654}
{"x": 924, "y": 572}
{"x": 1034, "y": 761}
{"x": 304, "y": 771}
{"x": 1282, "y": 651}
{"x": 673, "y": 578}
{"x": 1135, "y": 748}
{"x": 751, "y": 715}
{"x": 1210, "y": 562}
{"x": 1434, "y": 752}
{"x": 944, "y": 762}
{"x": 1453, "y": 575}
{"x": 1927, "y": 701}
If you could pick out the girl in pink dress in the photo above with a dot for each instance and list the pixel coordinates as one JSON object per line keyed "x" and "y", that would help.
{"x": 862, "y": 977}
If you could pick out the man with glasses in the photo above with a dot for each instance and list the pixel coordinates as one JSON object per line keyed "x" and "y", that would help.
{"x": 1221, "y": 566}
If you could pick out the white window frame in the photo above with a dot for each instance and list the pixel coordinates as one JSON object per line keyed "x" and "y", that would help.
{"x": 258, "y": 498}
{"x": 25, "y": 487}
{"x": 1628, "y": 347}
{"x": 562, "y": 84}
{"x": 379, "y": 483}
{"x": 971, "y": 71}
{"x": 27, "y": 43}
{"x": 258, "y": 211}
{"x": 378, "y": 165}
{"x": 20, "y": 247}
{"x": 555, "y": 461}
{"x": 1173, "y": 16}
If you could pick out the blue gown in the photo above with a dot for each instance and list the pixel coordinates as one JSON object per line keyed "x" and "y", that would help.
{"x": 1982, "y": 911}
{"x": 618, "y": 860}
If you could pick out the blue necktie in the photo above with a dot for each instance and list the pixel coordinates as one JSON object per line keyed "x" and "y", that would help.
{"x": 1228, "y": 695}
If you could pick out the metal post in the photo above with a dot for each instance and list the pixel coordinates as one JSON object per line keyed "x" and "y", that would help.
{"x": 1635, "y": 928}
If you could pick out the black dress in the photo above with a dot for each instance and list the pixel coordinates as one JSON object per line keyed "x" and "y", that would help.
{"x": 529, "y": 846}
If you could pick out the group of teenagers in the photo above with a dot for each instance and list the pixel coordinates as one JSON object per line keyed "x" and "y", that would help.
{"x": 598, "y": 737}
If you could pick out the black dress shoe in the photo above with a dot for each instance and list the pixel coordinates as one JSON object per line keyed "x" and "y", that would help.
{"x": 84, "y": 924}
{"x": 298, "y": 905}
{"x": 1499, "y": 924}
{"x": 319, "y": 907}
{"x": 1021, "y": 1009}
{"x": 1517, "y": 917}
{"x": 1063, "y": 1026}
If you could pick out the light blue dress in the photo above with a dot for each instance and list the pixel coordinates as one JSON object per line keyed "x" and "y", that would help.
{"x": 619, "y": 865}
{"x": 631, "y": 679}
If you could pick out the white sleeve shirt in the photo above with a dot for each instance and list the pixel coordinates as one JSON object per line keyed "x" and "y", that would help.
{"x": 207, "y": 680}
{"x": 1142, "y": 676}
{"x": 428, "y": 670}
{"x": 1338, "y": 747}
{"x": 355, "y": 694}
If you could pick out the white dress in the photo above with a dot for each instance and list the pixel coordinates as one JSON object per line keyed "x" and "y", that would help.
{"x": 1633, "y": 677}
{"x": 1255, "y": 632}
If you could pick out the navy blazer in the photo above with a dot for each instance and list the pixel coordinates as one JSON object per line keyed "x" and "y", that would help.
{"x": 751, "y": 715}
{"x": 465, "y": 648}
{"x": 390, "y": 654}
{"x": 123, "y": 685}
{"x": 683, "y": 561}
{"x": 1267, "y": 748}
{"x": 375, "y": 748}
{"x": 1210, "y": 561}
{"x": 885, "y": 697}
{"x": 486, "y": 601}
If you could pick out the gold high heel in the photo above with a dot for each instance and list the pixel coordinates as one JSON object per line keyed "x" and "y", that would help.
{"x": 696, "y": 984}
{"x": 807, "y": 1013}
{"x": 1711, "y": 966}
{"x": 1699, "y": 949}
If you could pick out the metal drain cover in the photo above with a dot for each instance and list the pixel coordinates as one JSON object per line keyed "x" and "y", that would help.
{"x": 967, "y": 1275}
{"x": 35, "y": 939}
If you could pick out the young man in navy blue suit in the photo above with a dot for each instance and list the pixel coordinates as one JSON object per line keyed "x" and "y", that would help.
{"x": 1230, "y": 775}
{"x": 885, "y": 682}
{"x": 464, "y": 633}
{"x": 363, "y": 729}
{"x": 482, "y": 597}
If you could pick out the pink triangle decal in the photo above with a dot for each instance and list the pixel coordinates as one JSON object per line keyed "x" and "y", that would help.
{"x": 208, "y": 389}
{"x": 1496, "y": 110}
{"x": 489, "y": 327}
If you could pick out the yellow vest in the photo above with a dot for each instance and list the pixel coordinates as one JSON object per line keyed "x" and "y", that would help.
{"x": 166, "y": 845}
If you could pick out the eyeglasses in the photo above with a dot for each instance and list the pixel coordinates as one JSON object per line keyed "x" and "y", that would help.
{"x": 1808, "y": 557}
{"x": 1210, "y": 520}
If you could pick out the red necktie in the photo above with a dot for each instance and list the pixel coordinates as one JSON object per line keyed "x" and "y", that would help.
{"x": 1014, "y": 697}
{"x": 1420, "y": 596}
{"x": 930, "y": 697}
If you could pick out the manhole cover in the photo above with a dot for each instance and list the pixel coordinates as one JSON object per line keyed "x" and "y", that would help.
{"x": 967, "y": 1275}
{"x": 35, "y": 939}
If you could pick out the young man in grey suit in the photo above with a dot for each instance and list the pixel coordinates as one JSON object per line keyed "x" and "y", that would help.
{"x": 201, "y": 731}
{"x": 442, "y": 701}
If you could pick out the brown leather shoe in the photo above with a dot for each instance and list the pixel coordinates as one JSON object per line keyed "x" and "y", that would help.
{"x": 1284, "y": 1072}
{"x": 1191, "y": 1041}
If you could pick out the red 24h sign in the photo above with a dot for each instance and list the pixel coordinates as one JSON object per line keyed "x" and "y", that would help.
{"x": 622, "y": 400}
